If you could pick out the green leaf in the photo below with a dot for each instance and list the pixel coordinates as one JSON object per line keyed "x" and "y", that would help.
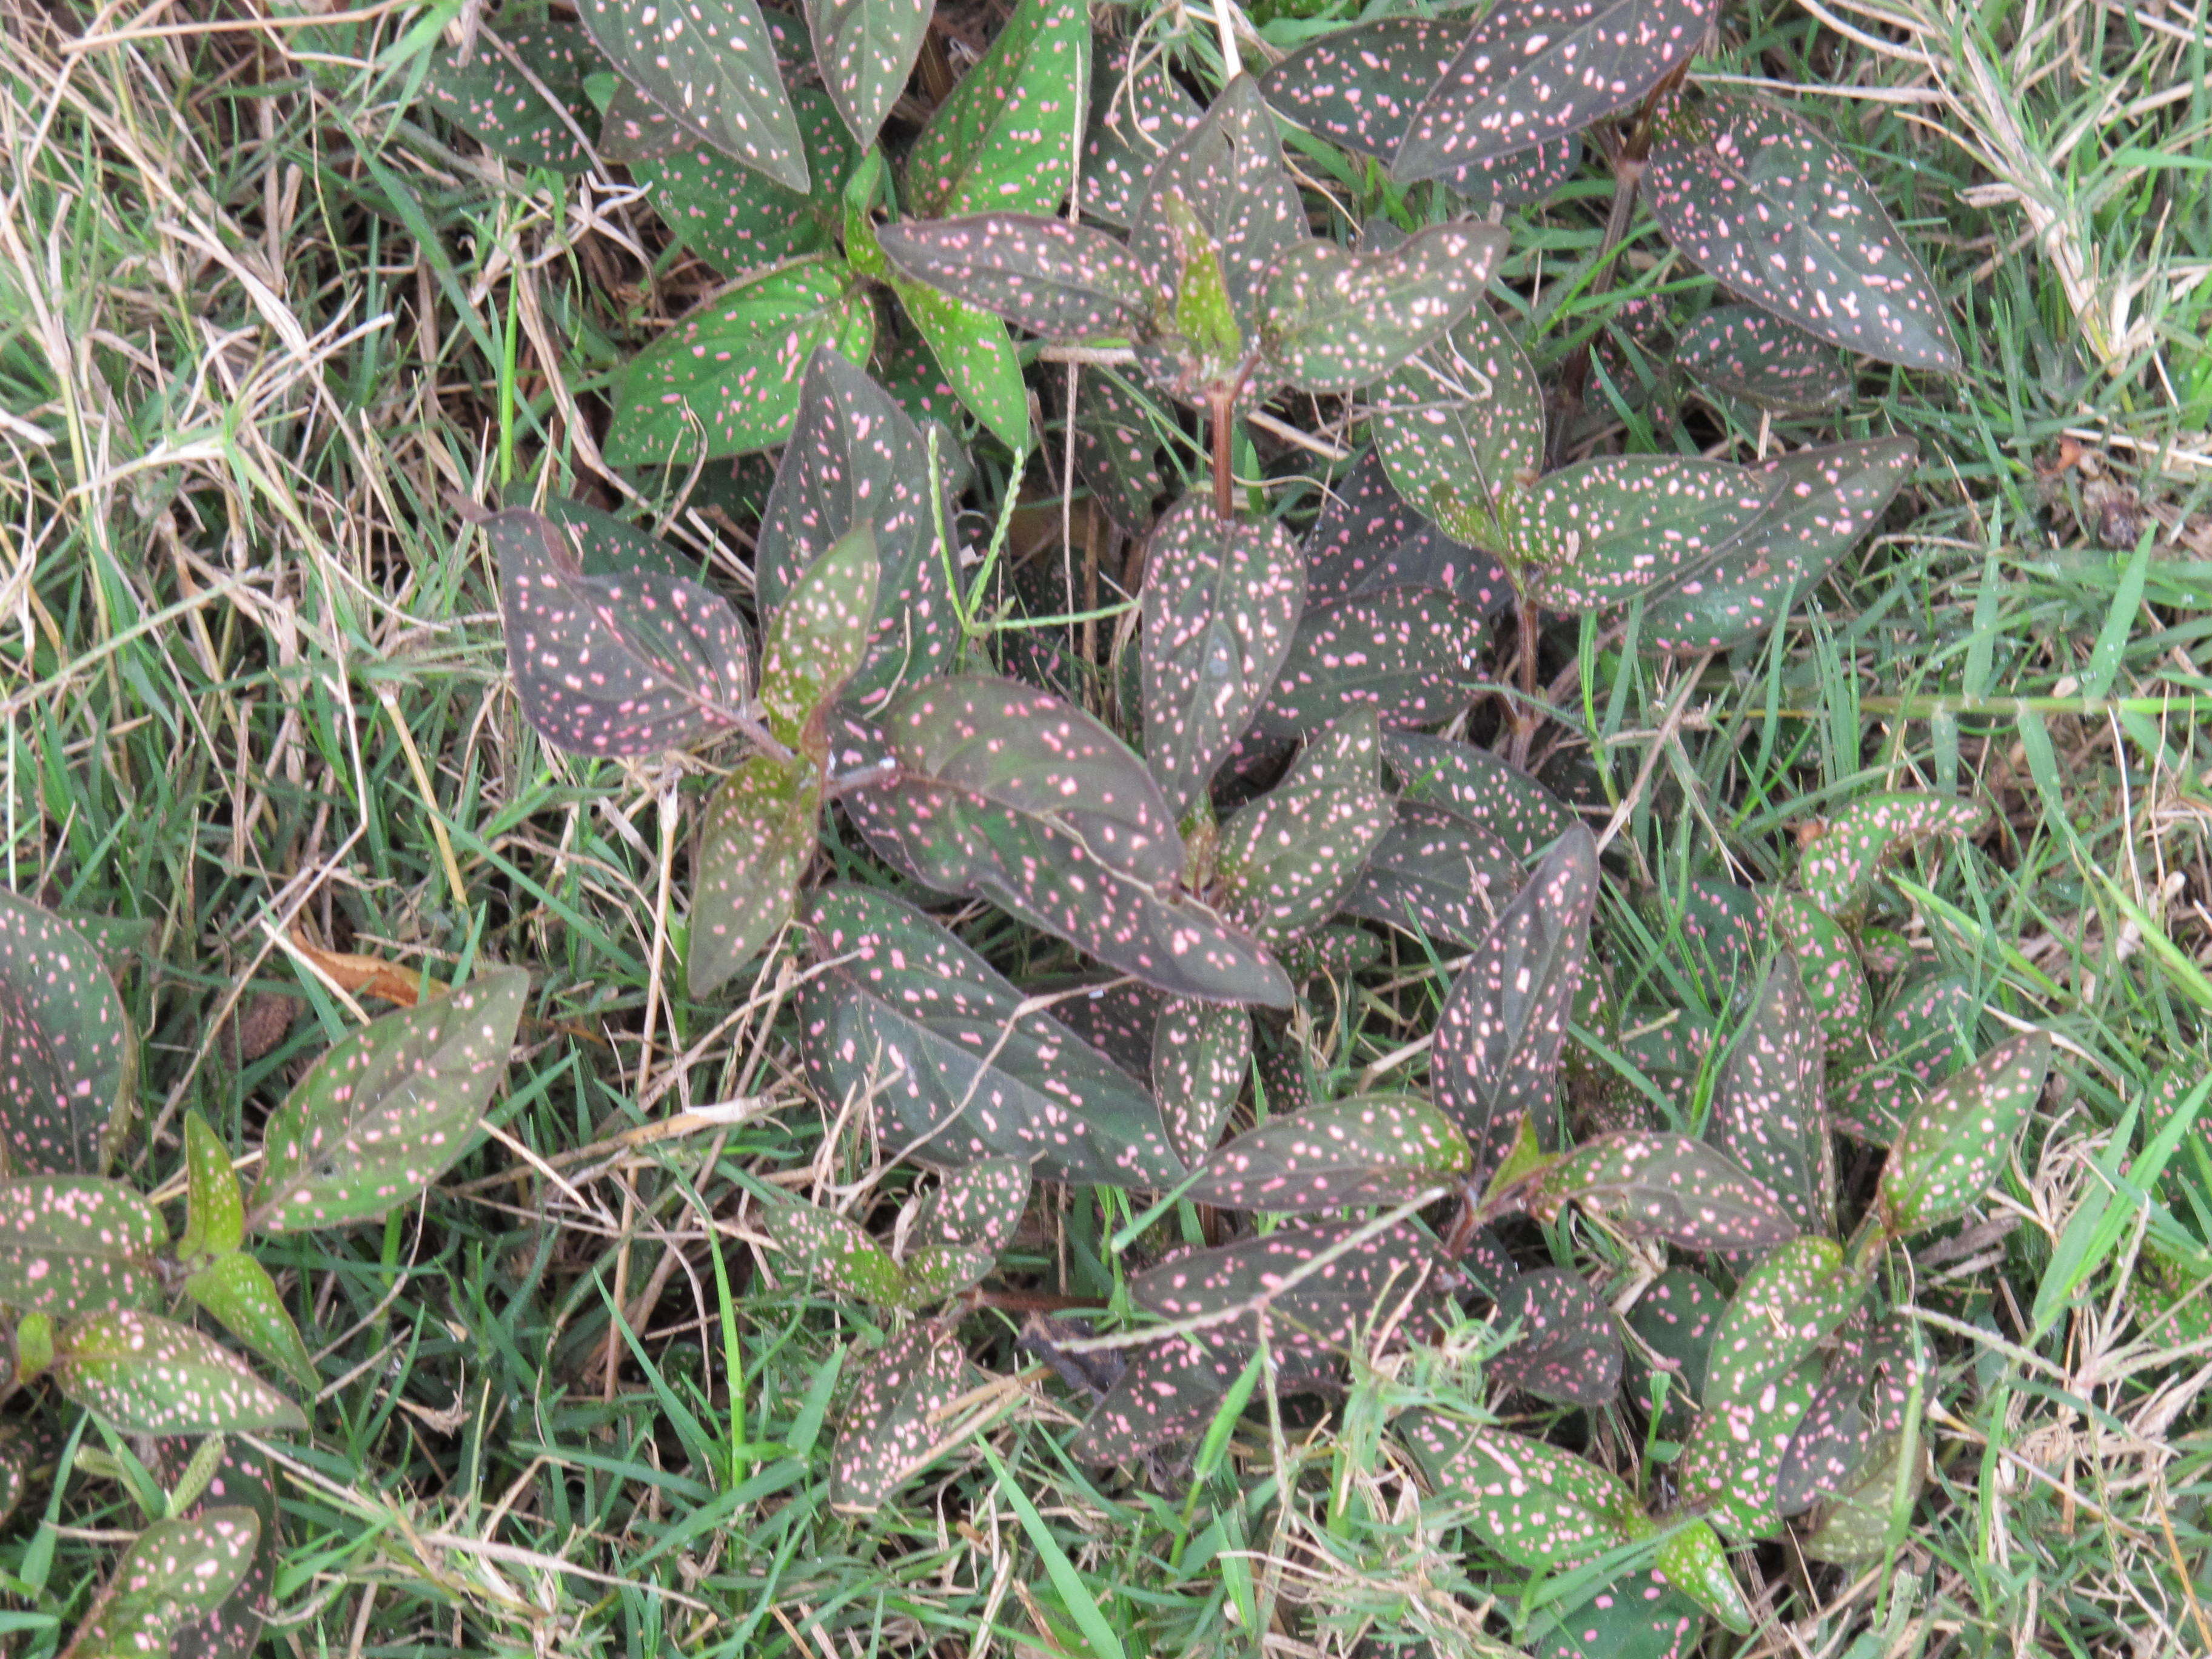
{"x": 175, "y": 1572}
{"x": 635, "y": 129}
{"x": 613, "y": 665}
{"x": 388, "y": 1109}
{"x": 888, "y": 1434}
{"x": 215, "y": 1208}
{"x": 148, "y": 1376}
{"x": 1285, "y": 859}
{"x": 730, "y": 371}
{"x": 1367, "y": 1149}
{"x": 1203, "y": 343}
{"x": 1772, "y": 208}
{"x": 1220, "y": 603}
{"x": 75, "y": 1244}
{"x": 1435, "y": 873}
{"x": 1250, "y": 1280}
{"x": 1798, "y": 1295}
{"x": 754, "y": 840}
{"x": 1731, "y": 1464}
{"x": 1367, "y": 537}
{"x": 866, "y": 50}
{"x": 1333, "y": 321}
{"x": 1014, "y": 795}
{"x": 1690, "y": 1559}
{"x": 1003, "y": 140}
{"x": 1666, "y": 1186}
{"x": 936, "y": 1042}
{"x": 1741, "y": 351}
{"x": 1497, "y": 1047}
{"x": 68, "y": 1057}
{"x": 1598, "y": 533}
{"x": 1769, "y": 1113}
{"x": 1200, "y": 1052}
{"x": 825, "y": 1246}
{"x": 238, "y": 1290}
{"x": 238, "y": 1476}
{"x": 1567, "y": 1351}
{"x": 737, "y": 219}
{"x": 1838, "y": 868}
{"x": 1827, "y": 964}
{"x": 978, "y": 357}
{"x": 1170, "y": 1389}
{"x": 817, "y": 642}
{"x": 980, "y": 1204}
{"x": 1853, "y": 1530}
{"x": 1675, "y": 1318}
{"x": 1862, "y": 1403}
{"x": 1953, "y": 1149}
{"x": 711, "y": 66}
{"x": 1536, "y": 1505}
{"x": 1637, "y": 1617}
{"x": 1460, "y": 427}
{"x": 1138, "y": 111}
{"x": 1406, "y": 653}
{"x": 1059, "y": 281}
{"x": 1474, "y": 784}
{"x": 491, "y": 100}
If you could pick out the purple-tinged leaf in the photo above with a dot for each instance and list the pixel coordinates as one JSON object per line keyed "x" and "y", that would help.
{"x": 827, "y": 1247}
{"x": 1567, "y": 1351}
{"x": 1798, "y": 1296}
{"x": 1828, "y": 963}
{"x": 1119, "y": 1019}
{"x": 1221, "y": 603}
{"x": 605, "y": 545}
{"x": 1772, "y": 209}
{"x": 891, "y": 1420}
{"x": 1336, "y": 951}
{"x": 68, "y": 1056}
{"x": 855, "y": 461}
{"x": 1600, "y": 532}
{"x": 730, "y": 371}
{"x": 980, "y": 1204}
{"x": 1720, "y": 921}
{"x": 1059, "y": 281}
{"x": 711, "y": 64}
{"x": 238, "y": 1290}
{"x": 936, "y": 1042}
{"x": 1406, "y": 653}
{"x": 1675, "y": 1318}
{"x": 388, "y": 1109}
{"x": 1638, "y": 1617}
{"x": 1367, "y": 537}
{"x": 1200, "y": 1053}
{"x": 755, "y": 838}
{"x": 1489, "y": 792}
{"x": 1536, "y": 1505}
{"x": 1666, "y": 1186}
{"x": 1117, "y": 451}
{"x": 1496, "y": 182}
{"x": 494, "y": 102}
{"x": 1733, "y": 1460}
{"x": 77, "y": 1244}
{"x": 148, "y": 1376}
{"x": 241, "y": 1477}
{"x": 29, "y": 1446}
{"x": 1460, "y": 427}
{"x": 1332, "y": 321}
{"x": 1003, "y": 140}
{"x": 1285, "y": 859}
{"x": 866, "y": 50}
{"x": 1367, "y": 1149}
{"x": 1770, "y": 1108}
{"x": 1872, "y": 1105}
{"x": 1310, "y": 1310}
{"x": 1838, "y": 868}
{"x": 1137, "y": 111}
{"x": 1533, "y": 73}
{"x": 1498, "y": 1043}
{"x": 174, "y": 1573}
{"x": 1953, "y": 1148}
{"x": 1435, "y": 873}
{"x": 1744, "y": 351}
{"x": 737, "y": 219}
{"x": 816, "y": 641}
{"x": 1170, "y": 1390}
{"x": 1861, "y": 1405}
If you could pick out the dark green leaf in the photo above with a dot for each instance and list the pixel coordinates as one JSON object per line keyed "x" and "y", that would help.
{"x": 735, "y": 218}
{"x": 77, "y": 1244}
{"x": 1930, "y": 1026}
{"x": 1138, "y": 111}
{"x": 175, "y": 1572}
{"x": 1060, "y": 281}
{"x": 1742, "y": 351}
{"x": 238, "y": 1290}
{"x": 1117, "y": 451}
{"x": 1828, "y": 964}
{"x": 1285, "y": 859}
{"x": 68, "y": 1059}
{"x": 241, "y": 1477}
{"x": 1853, "y": 1530}
{"x": 1567, "y": 1351}
{"x": 889, "y": 1433}
{"x": 1838, "y": 869}
{"x": 1491, "y": 793}
{"x": 1730, "y": 1466}
{"x": 1955, "y": 1147}
{"x": 388, "y": 1110}
{"x": 492, "y": 100}
{"x": 1170, "y": 1390}
{"x": 1437, "y": 874}
{"x": 1221, "y": 603}
{"x": 1638, "y": 1617}
{"x": 824, "y": 1246}
{"x": 977, "y": 355}
{"x": 1004, "y": 139}
{"x": 1600, "y": 532}
{"x": 711, "y": 64}
{"x": 1796, "y": 1297}
{"x": 1675, "y": 1318}
{"x": 1770, "y": 1110}
{"x": 1536, "y": 1505}
{"x": 148, "y": 1375}
{"x": 980, "y": 1204}
{"x": 1200, "y": 1052}
{"x": 1333, "y": 321}
{"x": 755, "y": 838}
{"x": 1251, "y": 1279}
{"x": 1666, "y": 1186}
{"x": 1367, "y": 1149}
{"x": 1119, "y": 1019}
{"x": 1460, "y": 427}
{"x": 605, "y": 545}
{"x": 1406, "y": 653}
{"x": 867, "y": 49}
{"x": 1861, "y": 1403}
{"x": 635, "y": 129}
{"x": 1773, "y": 210}
{"x": 1367, "y": 537}
{"x": 729, "y": 373}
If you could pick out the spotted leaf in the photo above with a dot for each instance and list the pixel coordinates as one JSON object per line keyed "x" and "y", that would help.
{"x": 1798, "y": 1295}
{"x": 979, "y": 1204}
{"x": 1004, "y": 139}
{"x": 955, "y": 1071}
{"x": 1638, "y": 1617}
{"x": 1498, "y": 1042}
{"x": 387, "y": 1111}
{"x": 238, "y": 1290}
{"x": 1872, "y": 1104}
{"x": 1602, "y": 532}
{"x": 1139, "y": 110}
{"x": 1060, "y": 281}
{"x": 1675, "y": 1318}
{"x": 1733, "y": 1460}
{"x": 1770, "y": 1110}
{"x": 241, "y": 1477}
{"x": 1838, "y": 868}
{"x": 1170, "y": 1390}
{"x": 1666, "y": 1186}
{"x": 1367, "y": 537}
{"x": 1930, "y": 1025}
{"x": 711, "y": 64}
{"x": 867, "y": 49}
{"x": 1474, "y": 784}
{"x": 175, "y": 1572}
{"x": 1567, "y": 1349}
{"x": 1117, "y": 451}
{"x": 1333, "y": 321}
{"x": 1828, "y": 499}
{"x": 1221, "y": 603}
{"x": 1720, "y": 921}
{"x": 817, "y": 642}
{"x": 755, "y": 838}
{"x": 1435, "y": 873}
{"x": 895, "y": 1416}
{"x": 1200, "y": 1052}
{"x": 148, "y": 1375}
{"x": 971, "y": 345}
{"x": 491, "y": 100}
{"x": 1536, "y": 1505}
{"x": 635, "y": 129}
{"x": 1828, "y": 963}
{"x": 1367, "y": 1149}
{"x": 1285, "y": 859}
{"x": 1534, "y": 72}
{"x": 729, "y": 373}
{"x": 855, "y": 460}
{"x": 68, "y": 1057}
{"x": 1953, "y": 1148}
{"x": 1861, "y": 1404}
{"x": 1013, "y": 795}
{"x": 77, "y": 1244}
{"x": 1742, "y": 351}
{"x": 1406, "y": 653}
{"x": 215, "y": 1208}
{"x": 823, "y": 1246}
{"x": 1312, "y": 1297}
{"x": 603, "y": 545}
{"x": 1853, "y": 1528}
{"x": 737, "y": 219}
{"x": 1460, "y": 427}
{"x": 1767, "y": 206}
{"x": 1120, "y": 1018}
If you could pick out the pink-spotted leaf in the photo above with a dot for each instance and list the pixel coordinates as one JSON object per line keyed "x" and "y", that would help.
{"x": 1744, "y": 351}
{"x": 1063, "y": 282}
{"x": 388, "y": 1110}
{"x": 1492, "y": 794}
{"x": 1535, "y": 1504}
{"x": 1285, "y": 859}
{"x": 817, "y": 642}
{"x": 1170, "y": 1390}
{"x": 823, "y": 1246}
{"x": 1332, "y": 321}
{"x": 1731, "y": 1465}
{"x": 1861, "y": 1403}
{"x": 68, "y": 1057}
{"x": 1798, "y": 1295}
{"x": 755, "y": 838}
{"x": 894, "y": 1416}
{"x": 1200, "y": 1053}
{"x": 1567, "y": 1351}
{"x": 1460, "y": 427}
{"x": 174, "y": 1573}
{"x": 866, "y": 50}
{"x": 77, "y": 1244}
{"x": 1367, "y": 1149}
{"x": 1003, "y": 140}
{"x": 979, "y": 1204}
{"x": 1838, "y": 868}
{"x": 1641, "y": 1616}
{"x": 1120, "y": 1018}
{"x": 1770, "y": 1110}
{"x": 1600, "y": 532}
{"x": 215, "y": 1207}
{"x": 242, "y": 1477}
{"x": 238, "y": 1290}
{"x": 1406, "y": 653}
{"x": 1828, "y": 963}
{"x": 711, "y": 66}
{"x": 1312, "y": 1305}
{"x": 1675, "y": 1319}
{"x": 1435, "y": 873}
{"x": 737, "y": 219}
{"x": 1139, "y": 110}
{"x": 1117, "y": 451}
{"x": 150, "y": 1376}
{"x": 1953, "y": 1148}
{"x": 1666, "y": 1186}
{"x": 1852, "y": 1529}
{"x": 1368, "y": 537}
{"x": 491, "y": 100}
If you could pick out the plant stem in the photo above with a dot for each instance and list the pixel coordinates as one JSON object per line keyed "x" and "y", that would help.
{"x": 1219, "y": 404}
